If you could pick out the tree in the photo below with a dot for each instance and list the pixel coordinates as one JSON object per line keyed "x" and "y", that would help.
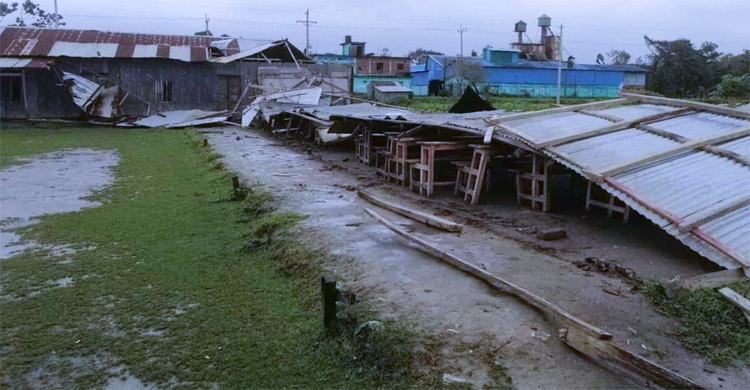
{"x": 40, "y": 17}
{"x": 419, "y": 56}
{"x": 736, "y": 65}
{"x": 618, "y": 57}
{"x": 678, "y": 69}
{"x": 599, "y": 59}
{"x": 733, "y": 87}
{"x": 206, "y": 33}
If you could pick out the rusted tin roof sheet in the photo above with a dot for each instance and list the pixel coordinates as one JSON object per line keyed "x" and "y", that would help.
{"x": 21, "y": 63}
{"x": 39, "y": 42}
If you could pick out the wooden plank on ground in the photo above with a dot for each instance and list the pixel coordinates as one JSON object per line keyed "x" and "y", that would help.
{"x": 738, "y": 300}
{"x": 428, "y": 219}
{"x": 496, "y": 282}
{"x": 593, "y": 342}
{"x": 710, "y": 280}
{"x": 617, "y": 359}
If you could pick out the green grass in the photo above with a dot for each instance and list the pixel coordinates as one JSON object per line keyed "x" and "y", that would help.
{"x": 442, "y": 103}
{"x": 183, "y": 288}
{"x": 709, "y": 324}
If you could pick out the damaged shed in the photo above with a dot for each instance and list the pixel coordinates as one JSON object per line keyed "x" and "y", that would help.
{"x": 62, "y": 73}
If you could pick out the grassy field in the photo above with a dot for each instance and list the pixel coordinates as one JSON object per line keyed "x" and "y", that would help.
{"x": 442, "y": 103}
{"x": 177, "y": 281}
{"x": 709, "y": 324}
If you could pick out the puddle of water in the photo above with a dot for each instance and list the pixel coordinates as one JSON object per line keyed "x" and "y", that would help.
{"x": 50, "y": 183}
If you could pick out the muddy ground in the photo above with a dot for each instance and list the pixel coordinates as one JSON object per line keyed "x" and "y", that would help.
{"x": 483, "y": 328}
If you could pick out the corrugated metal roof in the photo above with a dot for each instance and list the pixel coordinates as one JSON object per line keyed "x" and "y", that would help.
{"x": 698, "y": 196}
{"x": 548, "y": 127}
{"x": 391, "y": 88}
{"x": 636, "y": 111}
{"x": 740, "y": 147}
{"x": 700, "y": 125}
{"x": 597, "y": 153}
{"x": 692, "y": 194}
{"x": 43, "y": 42}
{"x": 21, "y": 63}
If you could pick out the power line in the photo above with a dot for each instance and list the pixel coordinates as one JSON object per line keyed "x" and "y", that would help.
{"x": 307, "y": 22}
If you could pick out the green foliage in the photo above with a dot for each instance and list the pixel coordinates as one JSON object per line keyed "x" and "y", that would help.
{"x": 709, "y": 324}
{"x": 419, "y": 56}
{"x": 161, "y": 288}
{"x": 443, "y": 103}
{"x": 41, "y": 17}
{"x": 618, "y": 57}
{"x": 680, "y": 70}
{"x": 733, "y": 87}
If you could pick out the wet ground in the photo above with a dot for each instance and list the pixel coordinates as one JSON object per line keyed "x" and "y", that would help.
{"x": 56, "y": 182}
{"x": 481, "y": 325}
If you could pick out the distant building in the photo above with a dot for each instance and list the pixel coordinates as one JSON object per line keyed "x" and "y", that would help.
{"x": 529, "y": 69}
{"x": 388, "y": 91}
{"x": 367, "y": 68}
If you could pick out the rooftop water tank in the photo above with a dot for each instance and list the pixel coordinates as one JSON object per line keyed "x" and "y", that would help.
{"x": 545, "y": 21}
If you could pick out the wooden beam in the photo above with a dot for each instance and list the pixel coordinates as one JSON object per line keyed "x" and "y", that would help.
{"x": 592, "y": 342}
{"x": 727, "y": 154}
{"x": 497, "y": 282}
{"x": 312, "y": 118}
{"x": 662, "y": 133}
{"x": 743, "y": 261}
{"x": 614, "y": 170}
{"x": 686, "y": 103}
{"x": 601, "y": 115}
{"x": 738, "y": 300}
{"x": 557, "y": 110}
{"x": 286, "y": 43}
{"x": 711, "y": 279}
{"x": 711, "y": 214}
{"x": 612, "y": 128}
{"x": 488, "y": 134}
{"x": 427, "y": 219}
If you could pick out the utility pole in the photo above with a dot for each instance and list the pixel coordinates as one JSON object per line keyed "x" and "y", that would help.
{"x": 57, "y": 16}
{"x": 307, "y": 22}
{"x": 461, "y": 30}
{"x": 559, "y": 63}
{"x": 206, "y": 16}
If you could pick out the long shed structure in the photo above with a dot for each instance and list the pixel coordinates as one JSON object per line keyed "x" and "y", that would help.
{"x": 684, "y": 166}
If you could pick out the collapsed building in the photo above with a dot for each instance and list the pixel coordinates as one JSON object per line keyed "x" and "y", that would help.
{"x": 684, "y": 166}
{"x": 64, "y": 73}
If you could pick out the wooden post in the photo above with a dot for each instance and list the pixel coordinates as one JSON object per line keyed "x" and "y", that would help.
{"x": 328, "y": 290}
{"x": 235, "y": 183}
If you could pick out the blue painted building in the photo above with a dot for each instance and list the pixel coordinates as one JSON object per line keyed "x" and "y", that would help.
{"x": 502, "y": 72}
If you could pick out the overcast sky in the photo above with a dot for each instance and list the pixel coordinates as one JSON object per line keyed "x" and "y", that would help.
{"x": 590, "y": 26}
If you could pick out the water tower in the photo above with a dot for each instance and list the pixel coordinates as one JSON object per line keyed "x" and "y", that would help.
{"x": 520, "y": 29}
{"x": 544, "y": 22}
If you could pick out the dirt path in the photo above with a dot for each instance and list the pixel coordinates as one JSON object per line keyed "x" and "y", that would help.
{"x": 480, "y": 325}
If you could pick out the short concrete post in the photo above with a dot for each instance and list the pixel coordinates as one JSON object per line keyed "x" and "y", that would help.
{"x": 328, "y": 290}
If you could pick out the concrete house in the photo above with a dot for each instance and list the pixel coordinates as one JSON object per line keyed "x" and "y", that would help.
{"x": 367, "y": 68}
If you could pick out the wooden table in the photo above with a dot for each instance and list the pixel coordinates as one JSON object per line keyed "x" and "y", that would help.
{"x": 402, "y": 159}
{"x": 426, "y": 166}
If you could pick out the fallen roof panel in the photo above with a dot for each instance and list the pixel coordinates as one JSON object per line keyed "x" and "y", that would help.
{"x": 598, "y": 153}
